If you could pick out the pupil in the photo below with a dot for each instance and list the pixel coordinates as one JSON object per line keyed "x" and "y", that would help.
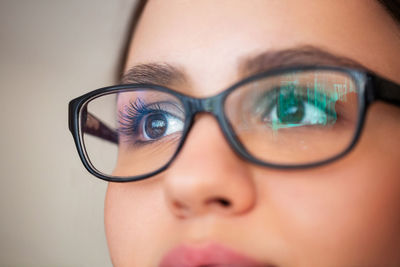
{"x": 155, "y": 126}
{"x": 290, "y": 107}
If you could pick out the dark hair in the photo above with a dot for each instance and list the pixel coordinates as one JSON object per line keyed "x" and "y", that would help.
{"x": 392, "y": 6}
{"x": 137, "y": 12}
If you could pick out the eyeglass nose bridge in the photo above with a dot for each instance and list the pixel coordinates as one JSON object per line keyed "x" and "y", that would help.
{"x": 209, "y": 105}
{"x": 215, "y": 105}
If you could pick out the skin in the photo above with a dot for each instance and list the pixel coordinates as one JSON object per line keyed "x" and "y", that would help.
{"x": 346, "y": 213}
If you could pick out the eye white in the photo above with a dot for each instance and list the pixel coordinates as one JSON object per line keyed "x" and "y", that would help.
{"x": 312, "y": 115}
{"x": 174, "y": 125}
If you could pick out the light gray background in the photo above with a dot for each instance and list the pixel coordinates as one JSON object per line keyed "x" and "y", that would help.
{"x": 51, "y": 209}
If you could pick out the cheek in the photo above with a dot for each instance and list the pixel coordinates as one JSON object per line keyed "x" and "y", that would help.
{"x": 348, "y": 211}
{"x": 134, "y": 216}
{"x": 347, "y": 215}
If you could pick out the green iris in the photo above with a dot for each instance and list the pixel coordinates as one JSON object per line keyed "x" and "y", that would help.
{"x": 292, "y": 105}
{"x": 290, "y": 109}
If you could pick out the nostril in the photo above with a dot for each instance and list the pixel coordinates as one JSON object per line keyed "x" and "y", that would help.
{"x": 181, "y": 209}
{"x": 178, "y": 205}
{"x": 220, "y": 201}
{"x": 224, "y": 202}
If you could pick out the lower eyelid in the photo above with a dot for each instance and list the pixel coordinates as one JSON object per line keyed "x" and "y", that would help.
{"x": 133, "y": 131}
{"x": 139, "y": 143}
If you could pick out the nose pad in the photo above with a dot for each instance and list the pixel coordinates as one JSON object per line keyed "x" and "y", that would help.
{"x": 207, "y": 177}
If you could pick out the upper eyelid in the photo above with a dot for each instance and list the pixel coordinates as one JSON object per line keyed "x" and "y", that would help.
{"x": 135, "y": 109}
{"x": 273, "y": 94}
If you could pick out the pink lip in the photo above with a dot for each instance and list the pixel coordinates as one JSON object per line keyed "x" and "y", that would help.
{"x": 211, "y": 255}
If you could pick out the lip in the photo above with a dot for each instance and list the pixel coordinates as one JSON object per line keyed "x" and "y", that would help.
{"x": 212, "y": 255}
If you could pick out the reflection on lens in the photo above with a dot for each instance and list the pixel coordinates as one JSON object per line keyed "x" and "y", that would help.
{"x": 295, "y": 118}
{"x": 148, "y": 125}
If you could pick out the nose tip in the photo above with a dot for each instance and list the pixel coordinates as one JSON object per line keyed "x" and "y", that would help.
{"x": 220, "y": 205}
{"x": 221, "y": 201}
{"x": 207, "y": 176}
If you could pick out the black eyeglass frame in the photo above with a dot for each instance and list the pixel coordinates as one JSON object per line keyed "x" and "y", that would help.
{"x": 371, "y": 88}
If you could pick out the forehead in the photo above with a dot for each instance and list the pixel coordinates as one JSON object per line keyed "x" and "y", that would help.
{"x": 209, "y": 38}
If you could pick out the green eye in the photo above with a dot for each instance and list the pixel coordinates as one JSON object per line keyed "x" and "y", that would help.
{"x": 290, "y": 109}
{"x": 295, "y": 106}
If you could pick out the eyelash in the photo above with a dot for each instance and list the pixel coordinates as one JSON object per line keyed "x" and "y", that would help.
{"x": 130, "y": 118}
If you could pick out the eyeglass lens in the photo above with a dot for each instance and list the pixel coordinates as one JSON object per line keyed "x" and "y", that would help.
{"x": 293, "y": 118}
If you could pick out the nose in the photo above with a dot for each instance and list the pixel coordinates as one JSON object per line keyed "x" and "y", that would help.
{"x": 207, "y": 177}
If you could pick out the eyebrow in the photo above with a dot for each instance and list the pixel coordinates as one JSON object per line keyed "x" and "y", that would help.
{"x": 155, "y": 73}
{"x": 299, "y": 56}
{"x": 165, "y": 74}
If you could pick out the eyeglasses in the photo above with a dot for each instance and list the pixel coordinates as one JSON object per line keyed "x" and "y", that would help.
{"x": 285, "y": 118}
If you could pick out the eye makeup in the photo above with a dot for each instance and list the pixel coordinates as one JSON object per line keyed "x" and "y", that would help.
{"x": 141, "y": 123}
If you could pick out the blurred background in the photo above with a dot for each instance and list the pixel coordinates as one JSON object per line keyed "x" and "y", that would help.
{"x": 51, "y": 209}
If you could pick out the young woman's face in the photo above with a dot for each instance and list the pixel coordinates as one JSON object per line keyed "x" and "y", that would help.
{"x": 346, "y": 213}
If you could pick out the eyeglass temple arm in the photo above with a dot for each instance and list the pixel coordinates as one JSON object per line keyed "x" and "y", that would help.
{"x": 95, "y": 127}
{"x": 385, "y": 90}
